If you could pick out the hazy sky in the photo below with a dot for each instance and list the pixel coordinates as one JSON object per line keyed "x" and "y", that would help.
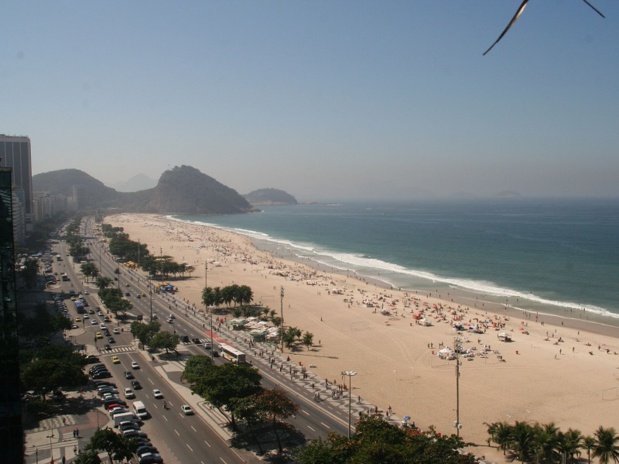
{"x": 324, "y": 99}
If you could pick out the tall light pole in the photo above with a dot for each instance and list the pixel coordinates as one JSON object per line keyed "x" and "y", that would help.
{"x": 210, "y": 310}
{"x": 51, "y": 449}
{"x": 150, "y": 294}
{"x": 281, "y": 310}
{"x": 350, "y": 375}
{"x": 457, "y": 423}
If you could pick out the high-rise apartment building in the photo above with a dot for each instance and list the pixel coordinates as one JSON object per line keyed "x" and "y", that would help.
{"x": 15, "y": 154}
{"x": 11, "y": 431}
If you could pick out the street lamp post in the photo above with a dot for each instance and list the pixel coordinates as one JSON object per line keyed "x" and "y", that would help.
{"x": 350, "y": 375}
{"x": 281, "y": 310}
{"x": 150, "y": 294}
{"x": 457, "y": 423}
{"x": 51, "y": 449}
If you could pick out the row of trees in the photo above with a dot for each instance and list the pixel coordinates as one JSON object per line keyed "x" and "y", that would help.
{"x": 236, "y": 392}
{"x": 157, "y": 266}
{"x": 151, "y": 335}
{"x": 237, "y": 294}
{"x": 376, "y": 440}
{"x": 77, "y": 249}
{"x": 546, "y": 443}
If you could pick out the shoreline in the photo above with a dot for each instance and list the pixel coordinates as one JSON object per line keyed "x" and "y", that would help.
{"x": 550, "y": 372}
{"x": 595, "y": 323}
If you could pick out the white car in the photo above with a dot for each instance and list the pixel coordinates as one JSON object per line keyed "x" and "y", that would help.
{"x": 187, "y": 410}
{"x": 157, "y": 393}
{"x": 103, "y": 326}
{"x": 94, "y": 322}
{"x": 116, "y": 331}
{"x": 129, "y": 393}
{"x": 135, "y": 365}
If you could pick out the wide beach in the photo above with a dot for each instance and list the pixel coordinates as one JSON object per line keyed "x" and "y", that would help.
{"x": 555, "y": 370}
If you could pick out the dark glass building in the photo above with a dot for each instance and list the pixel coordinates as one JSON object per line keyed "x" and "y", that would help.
{"x": 11, "y": 430}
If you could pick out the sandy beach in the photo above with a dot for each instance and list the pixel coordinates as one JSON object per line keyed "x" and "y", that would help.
{"x": 556, "y": 369}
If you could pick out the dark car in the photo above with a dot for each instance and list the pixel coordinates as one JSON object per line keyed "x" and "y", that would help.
{"x": 101, "y": 383}
{"x": 96, "y": 367}
{"x": 196, "y": 341}
{"x": 129, "y": 375}
{"x": 91, "y": 359}
{"x": 102, "y": 375}
{"x": 146, "y": 449}
{"x": 106, "y": 332}
{"x": 111, "y": 340}
{"x": 107, "y": 347}
{"x": 136, "y": 385}
{"x": 184, "y": 339}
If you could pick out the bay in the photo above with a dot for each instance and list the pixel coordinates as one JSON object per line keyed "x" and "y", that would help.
{"x": 548, "y": 255}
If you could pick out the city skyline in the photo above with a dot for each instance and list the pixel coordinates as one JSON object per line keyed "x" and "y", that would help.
{"x": 326, "y": 100}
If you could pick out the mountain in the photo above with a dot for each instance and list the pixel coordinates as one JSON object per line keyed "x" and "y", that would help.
{"x": 135, "y": 184}
{"x": 186, "y": 190}
{"x": 270, "y": 196}
{"x": 180, "y": 190}
{"x": 93, "y": 193}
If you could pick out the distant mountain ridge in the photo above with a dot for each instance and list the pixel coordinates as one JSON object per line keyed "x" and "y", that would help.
{"x": 182, "y": 189}
{"x": 270, "y": 196}
{"x": 134, "y": 184}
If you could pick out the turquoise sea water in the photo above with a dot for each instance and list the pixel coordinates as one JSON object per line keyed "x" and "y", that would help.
{"x": 558, "y": 256}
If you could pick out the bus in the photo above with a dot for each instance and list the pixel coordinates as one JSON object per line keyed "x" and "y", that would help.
{"x": 79, "y": 307}
{"x": 231, "y": 354}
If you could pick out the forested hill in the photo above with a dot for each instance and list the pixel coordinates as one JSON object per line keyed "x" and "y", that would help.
{"x": 270, "y": 196}
{"x": 182, "y": 189}
{"x": 186, "y": 190}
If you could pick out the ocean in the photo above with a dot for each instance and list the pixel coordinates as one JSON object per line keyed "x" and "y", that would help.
{"x": 543, "y": 255}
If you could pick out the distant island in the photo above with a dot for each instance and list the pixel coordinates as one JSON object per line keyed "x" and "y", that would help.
{"x": 180, "y": 190}
{"x": 270, "y": 196}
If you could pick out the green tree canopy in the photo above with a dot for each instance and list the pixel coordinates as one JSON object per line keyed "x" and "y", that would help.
{"x": 163, "y": 341}
{"x": 375, "y": 440}
{"x": 224, "y": 385}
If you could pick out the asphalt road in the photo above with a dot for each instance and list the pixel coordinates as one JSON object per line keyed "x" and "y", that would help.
{"x": 183, "y": 438}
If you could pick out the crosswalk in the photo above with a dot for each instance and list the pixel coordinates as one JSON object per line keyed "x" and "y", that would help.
{"x": 118, "y": 349}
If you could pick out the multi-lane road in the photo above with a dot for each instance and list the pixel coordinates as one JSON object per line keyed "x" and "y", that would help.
{"x": 183, "y": 438}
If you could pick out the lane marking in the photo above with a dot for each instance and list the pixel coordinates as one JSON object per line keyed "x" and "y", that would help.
{"x": 166, "y": 419}
{"x": 313, "y": 430}
{"x": 193, "y": 429}
{"x": 207, "y": 444}
{"x": 325, "y": 425}
{"x": 189, "y": 447}
{"x": 305, "y": 412}
{"x": 177, "y": 432}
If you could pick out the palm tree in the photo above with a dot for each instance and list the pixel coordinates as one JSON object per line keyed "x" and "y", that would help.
{"x": 547, "y": 442}
{"x": 607, "y": 445}
{"x": 588, "y": 443}
{"x": 500, "y": 433}
{"x": 523, "y": 441}
{"x": 570, "y": 444}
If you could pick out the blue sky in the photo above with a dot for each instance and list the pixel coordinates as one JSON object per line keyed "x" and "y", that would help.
{"x": 324, "y": 99}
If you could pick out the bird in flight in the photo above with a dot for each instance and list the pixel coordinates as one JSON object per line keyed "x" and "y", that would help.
{"x": 520, "y": 10}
